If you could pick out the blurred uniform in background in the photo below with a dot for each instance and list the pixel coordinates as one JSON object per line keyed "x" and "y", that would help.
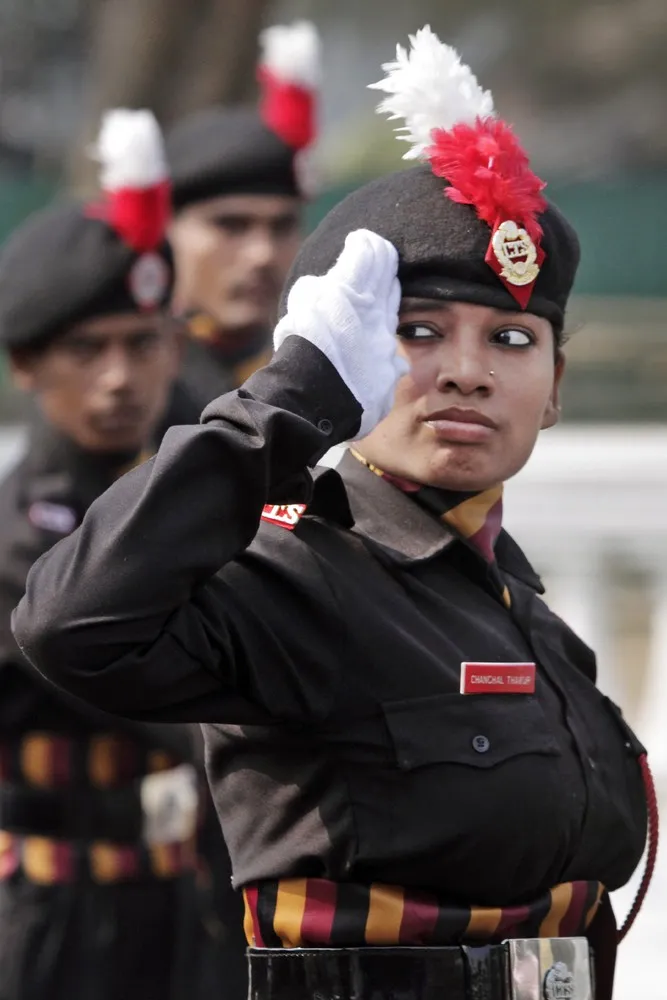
{"x": 97, "y": 816}
{"x": 239, "y": 177}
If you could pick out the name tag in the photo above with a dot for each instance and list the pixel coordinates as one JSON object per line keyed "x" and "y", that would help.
{"x": 497, "y": 678}
{"x": 287, "y": 515}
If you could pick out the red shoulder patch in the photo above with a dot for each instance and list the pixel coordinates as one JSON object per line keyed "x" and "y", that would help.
{"x": 286, "y": 515}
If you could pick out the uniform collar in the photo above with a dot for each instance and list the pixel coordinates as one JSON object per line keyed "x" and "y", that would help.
{"x": 355, "y": 497}
{"x": 205, "y": 329}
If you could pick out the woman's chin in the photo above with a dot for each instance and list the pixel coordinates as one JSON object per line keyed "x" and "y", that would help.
{"x": 459, "y": 469}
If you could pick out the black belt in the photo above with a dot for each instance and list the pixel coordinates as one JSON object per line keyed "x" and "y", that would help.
{"x": 72, "y": 814}
{"x": 457, "y": 973}
{"x": 521, "y": 969}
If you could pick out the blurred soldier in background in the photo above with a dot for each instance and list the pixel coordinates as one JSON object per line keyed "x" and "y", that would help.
{"x": 98, "y": 816}
{"x": 239, "y": 178}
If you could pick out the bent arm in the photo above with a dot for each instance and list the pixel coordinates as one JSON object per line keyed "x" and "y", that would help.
{"x": 123, "y": 612}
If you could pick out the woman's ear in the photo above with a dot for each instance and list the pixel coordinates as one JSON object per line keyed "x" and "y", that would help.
{"x": 553, "y": 407}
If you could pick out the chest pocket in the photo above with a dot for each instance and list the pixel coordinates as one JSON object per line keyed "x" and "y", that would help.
{"x": 474, "y": 730}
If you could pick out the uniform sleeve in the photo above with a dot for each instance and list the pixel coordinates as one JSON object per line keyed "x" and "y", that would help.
{"x": 21, "y": 544}
{"x": 124, "y": 612}
{"x": 16, "y": 679}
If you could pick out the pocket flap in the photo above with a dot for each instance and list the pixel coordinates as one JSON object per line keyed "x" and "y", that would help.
{"x": 476, "y": 730}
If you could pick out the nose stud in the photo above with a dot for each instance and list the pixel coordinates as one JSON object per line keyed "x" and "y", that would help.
{"x": 492, "y": 373}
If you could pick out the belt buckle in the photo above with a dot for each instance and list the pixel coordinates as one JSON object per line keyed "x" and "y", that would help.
{"x": 549, "y": 969}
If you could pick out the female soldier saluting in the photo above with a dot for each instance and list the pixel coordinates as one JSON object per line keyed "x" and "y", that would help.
{"x": 405, "y": 746}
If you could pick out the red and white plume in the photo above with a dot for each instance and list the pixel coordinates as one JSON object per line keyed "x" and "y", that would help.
{"x": 450, "y": 123}
{"x": 289, "y": 73}
{"x": 134, "y": 177}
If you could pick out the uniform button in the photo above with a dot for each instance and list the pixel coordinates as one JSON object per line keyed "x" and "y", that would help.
{"x": 325, "y": 426}
{"x": 481, "y": 744}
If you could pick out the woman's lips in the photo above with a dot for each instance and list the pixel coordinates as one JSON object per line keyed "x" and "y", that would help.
{"x": 461, "y": 426}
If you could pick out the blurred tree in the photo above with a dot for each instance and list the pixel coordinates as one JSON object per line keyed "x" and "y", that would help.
{"x": 169, "y": 55}
{"x": 219, "y": 62}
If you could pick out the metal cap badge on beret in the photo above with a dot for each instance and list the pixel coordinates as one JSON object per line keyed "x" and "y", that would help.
{"x": 470, "y": 222}
{"x": 248, "y": 150}
{"x": 82, "y": 260}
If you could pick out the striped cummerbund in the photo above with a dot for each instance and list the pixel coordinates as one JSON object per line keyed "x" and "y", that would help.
{"x": 312, "y": 912}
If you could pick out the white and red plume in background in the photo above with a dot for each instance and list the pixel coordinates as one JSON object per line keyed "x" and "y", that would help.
{"x": 289, "y": 73}
{"x": 134, "y": 177}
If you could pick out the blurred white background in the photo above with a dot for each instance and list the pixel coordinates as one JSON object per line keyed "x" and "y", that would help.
{"x": 590, "y": 509}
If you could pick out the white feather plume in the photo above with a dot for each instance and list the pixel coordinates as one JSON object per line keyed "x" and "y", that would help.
{"x": 130, "y": 150}
{"x": 429, "y": 87}
{"x": 293, "y": 53}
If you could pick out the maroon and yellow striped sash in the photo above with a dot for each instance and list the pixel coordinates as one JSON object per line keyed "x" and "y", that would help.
{"x": 301, "y": 913}
{"x": 104, "y": 761}
{"x": 52, "y": 760}
{"x": 46, "y": 861}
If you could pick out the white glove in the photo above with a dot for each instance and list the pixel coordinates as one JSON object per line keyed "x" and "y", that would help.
{"x": 170, "y": 800}
{"x": 351, "y": 315}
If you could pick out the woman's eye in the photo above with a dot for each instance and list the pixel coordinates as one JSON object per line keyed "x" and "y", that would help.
{"x": 513, "y": 338}
{"x": 416, "y": 331}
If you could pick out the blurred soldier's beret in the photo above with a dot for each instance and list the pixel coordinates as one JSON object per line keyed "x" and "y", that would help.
{"x": 228, "y": 151}
{"x": 78, "y": 261}
{"x": 470, "y": 222}
{"x": 247, "y": 150}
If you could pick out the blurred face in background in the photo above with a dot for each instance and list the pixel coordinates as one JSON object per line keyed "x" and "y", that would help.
{"x": 105, "y": 382}
{"x": 233, "y": 254}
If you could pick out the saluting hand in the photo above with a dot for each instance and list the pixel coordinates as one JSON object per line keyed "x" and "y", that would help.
{"x": 351, "y": 314}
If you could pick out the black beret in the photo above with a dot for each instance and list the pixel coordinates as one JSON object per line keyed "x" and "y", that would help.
{"x": 222, "y": 151}
{"x": 63, "y": 265}
{"x": 441, "y": 245}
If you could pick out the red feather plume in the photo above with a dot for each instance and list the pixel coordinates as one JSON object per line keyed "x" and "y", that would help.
{"x": 140, "y": 216}
{"x": 487, "y": 168}
{"x": 287, "y": 108}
